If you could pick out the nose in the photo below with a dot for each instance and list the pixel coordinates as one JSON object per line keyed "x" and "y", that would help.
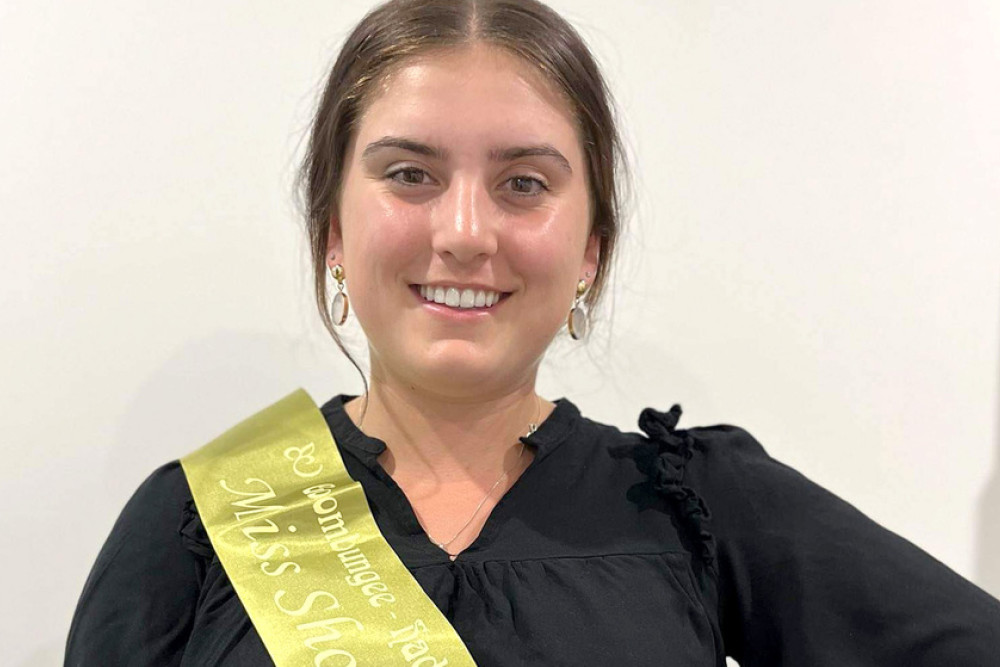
{"x": 462, "y": 222}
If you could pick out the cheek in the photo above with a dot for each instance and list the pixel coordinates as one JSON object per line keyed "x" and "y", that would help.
{"x": 555, "y": 249}
{"x": 546, "y": 260}
{"x": 381, "y": 236}
{"x": 549, "y": 265}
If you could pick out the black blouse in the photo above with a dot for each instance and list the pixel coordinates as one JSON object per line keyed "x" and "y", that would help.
{"x": 604, "y": 552}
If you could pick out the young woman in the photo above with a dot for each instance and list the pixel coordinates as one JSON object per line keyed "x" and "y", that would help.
{"x": 462, "y": 184}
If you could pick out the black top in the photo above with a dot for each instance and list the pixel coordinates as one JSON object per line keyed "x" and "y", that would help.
{"x": 602, "y": 553}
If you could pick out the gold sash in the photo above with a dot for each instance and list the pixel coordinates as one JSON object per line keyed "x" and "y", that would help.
{"x": 298, "y": 541}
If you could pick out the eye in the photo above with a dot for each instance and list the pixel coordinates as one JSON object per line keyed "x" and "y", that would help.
{"x": 409, "y": 176}
{"x": 527, "y": 186}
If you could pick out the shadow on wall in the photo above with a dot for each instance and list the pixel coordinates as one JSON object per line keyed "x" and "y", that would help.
{"x": 988, "y": 551}
{"x": 209, "y": 384}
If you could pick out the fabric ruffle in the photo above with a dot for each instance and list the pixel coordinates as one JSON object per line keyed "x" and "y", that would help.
{"x": 675, "y": 450}
{"x": 192, "y": 531}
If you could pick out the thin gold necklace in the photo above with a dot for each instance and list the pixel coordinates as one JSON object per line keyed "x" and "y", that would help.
{"x": 532, "y": 427}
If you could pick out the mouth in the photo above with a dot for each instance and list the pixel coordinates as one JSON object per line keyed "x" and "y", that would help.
{"x": 460, "y": 298}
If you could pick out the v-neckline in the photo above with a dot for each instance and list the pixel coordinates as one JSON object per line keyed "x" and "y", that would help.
{"x": 494, "y": 519}
{"x": 547, "y": 437}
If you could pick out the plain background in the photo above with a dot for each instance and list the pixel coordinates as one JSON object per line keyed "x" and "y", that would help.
{"x": 814, "y": 253}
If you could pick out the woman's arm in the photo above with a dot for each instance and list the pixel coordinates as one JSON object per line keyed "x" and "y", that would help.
{"x": 806, "y": 579}
{"x": 138, "y": 604}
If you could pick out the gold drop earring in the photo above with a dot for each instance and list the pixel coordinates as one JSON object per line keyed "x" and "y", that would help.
{"x": 576, "y": 322}
{"x": 339, "y": 306}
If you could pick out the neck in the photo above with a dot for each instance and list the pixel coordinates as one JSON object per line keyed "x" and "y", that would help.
{"x": 431, "y": 436}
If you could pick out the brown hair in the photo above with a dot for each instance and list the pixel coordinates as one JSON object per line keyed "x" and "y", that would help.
{"x": 398, "y": 29}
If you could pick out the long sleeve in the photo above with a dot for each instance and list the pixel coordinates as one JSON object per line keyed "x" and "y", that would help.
{"x": 806, "y": 579}
{"x": 137, "y": 607}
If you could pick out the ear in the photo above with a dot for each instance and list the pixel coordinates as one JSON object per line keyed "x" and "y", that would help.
{"x": 334, "y": 243}
{"x": 591, "y": 258}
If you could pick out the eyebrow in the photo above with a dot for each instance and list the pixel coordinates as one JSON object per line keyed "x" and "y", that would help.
{"x": 495, "y": 154}
{"x": 543, "y": 150}
{"x": 404, "y": 144}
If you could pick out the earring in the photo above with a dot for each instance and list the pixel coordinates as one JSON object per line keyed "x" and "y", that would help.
{"x": 339, "y": 306}
{"x": 576, "y": 322}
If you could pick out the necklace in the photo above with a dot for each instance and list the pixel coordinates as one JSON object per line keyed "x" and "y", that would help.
{"x": 532, "y": 427}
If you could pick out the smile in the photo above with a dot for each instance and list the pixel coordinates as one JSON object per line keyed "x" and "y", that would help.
{"x": 457, "y": 297}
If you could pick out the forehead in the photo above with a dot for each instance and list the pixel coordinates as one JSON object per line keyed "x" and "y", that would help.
{"x": 469, "y": 93}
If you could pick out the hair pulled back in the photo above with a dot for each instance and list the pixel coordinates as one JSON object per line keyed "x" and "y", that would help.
{"x": 399, "y": 29}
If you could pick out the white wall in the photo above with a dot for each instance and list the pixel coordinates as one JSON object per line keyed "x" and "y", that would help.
{"x": 815, "y": 254}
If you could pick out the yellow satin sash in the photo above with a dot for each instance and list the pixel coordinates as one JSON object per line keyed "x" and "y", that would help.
{"x": 298, "y": 541}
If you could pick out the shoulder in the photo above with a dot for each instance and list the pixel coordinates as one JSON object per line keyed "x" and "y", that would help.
{"x": 718, "y": 455}
{"x": 163, "y": 490}
{"x": 142, "y": 590}
{"x": 753, "y": 504}
{"x": 674, "y": 465}
{"x": 720, "y": 448}
{"x": 748, "y": 493}
{"x": 160, "y": 516}
{"x": 661, "y": 448}
{"x": 725, "y": 478}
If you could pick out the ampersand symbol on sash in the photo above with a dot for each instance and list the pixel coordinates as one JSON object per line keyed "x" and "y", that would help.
{"x": 303, "y": 456}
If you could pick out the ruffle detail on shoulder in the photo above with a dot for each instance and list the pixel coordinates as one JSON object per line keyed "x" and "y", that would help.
{"x": 193, "y": 533}
{"x": 668, "y": 477}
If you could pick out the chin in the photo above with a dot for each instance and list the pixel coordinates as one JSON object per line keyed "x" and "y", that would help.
{"x": 460, "y": 377}
{"x": 466, "y": 372}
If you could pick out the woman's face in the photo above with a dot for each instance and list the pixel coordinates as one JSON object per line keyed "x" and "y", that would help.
{"x": 465, "y": 180}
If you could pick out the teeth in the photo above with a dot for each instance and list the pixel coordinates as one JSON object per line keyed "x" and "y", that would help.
{"x": 456, "y": 298}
